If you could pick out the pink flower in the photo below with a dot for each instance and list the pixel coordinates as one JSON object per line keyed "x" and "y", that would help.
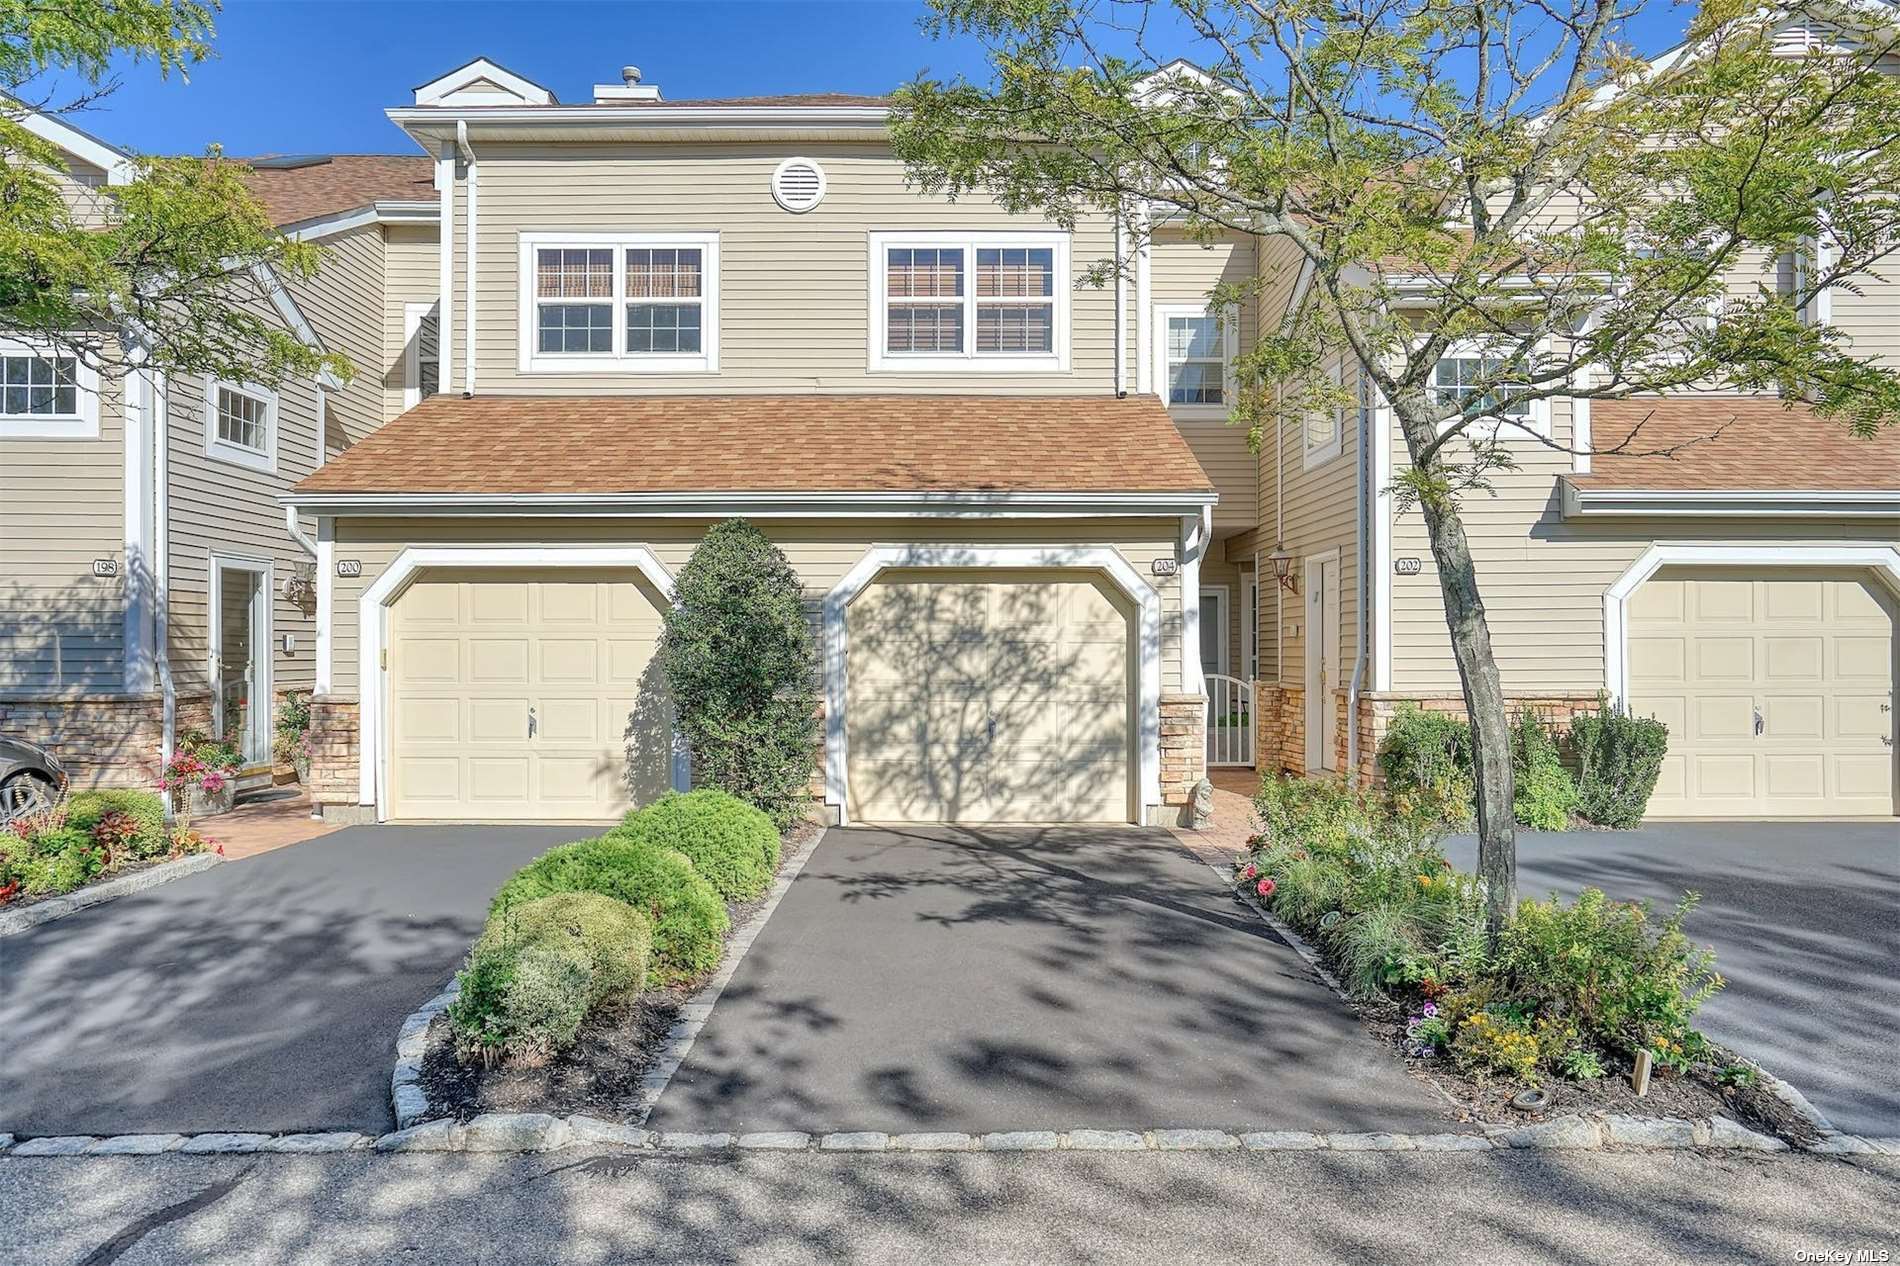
{"x": 1250, "y": 872}
{"x": 1264, "y": 887}
{"x": 214, "y": 782}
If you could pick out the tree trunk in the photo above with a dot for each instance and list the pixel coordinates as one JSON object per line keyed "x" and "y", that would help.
{"x": 1483, "y": 690}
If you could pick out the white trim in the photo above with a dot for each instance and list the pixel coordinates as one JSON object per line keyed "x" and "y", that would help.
{"x": 1229, "y": 332}
{"x": 1223, "y": 653}
{"x": 135, "y": 571}
{"x": 783, "y": 505}
{"x": 87, "y": 148}
{"x": 470, "y": 236}
{"x": 413, "y": 315}
{"x": 1580, "y": 439}
{"x": 264, "y": 459}
{"x": 1117, "y": 569}
{"x": 326, "y": 600}
{"x": 1318, "y": 751}
{"x": 82, "y": 424}
{"x": 162, "y": 564}
{"x": 852, "y": 122}
{"x": 1144, "y": 304}
{"x": 373, "y": 631}
{"x": 407, "y": 211}
{"x": 439, "y": 91}
{"x": 620, "y": 361}
{"x": 286, "y": 305}
{"x": 445, "y": 272}
{"x": 1883, "y": 560}
{"x": 1532, "y": 428}
{"x": 263, "y": 651}
{"x": 1783, "y": 503}
{"x": 969, "y": 360}
{"x": 1383, "y": 511}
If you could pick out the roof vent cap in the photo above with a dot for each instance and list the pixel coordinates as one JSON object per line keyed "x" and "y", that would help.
{"x": 798, "y": 185}
{"x": 630, "y": 75}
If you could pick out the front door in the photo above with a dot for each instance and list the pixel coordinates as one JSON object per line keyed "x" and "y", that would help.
{"x": 240, "y": 657}
{"x": 1322, "y": 662}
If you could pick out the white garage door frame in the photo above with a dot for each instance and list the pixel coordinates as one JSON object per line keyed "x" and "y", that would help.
{"x": 1101, "y": 559}
{"x": 373, "y": 635}
{"x": 1882, "y": 560}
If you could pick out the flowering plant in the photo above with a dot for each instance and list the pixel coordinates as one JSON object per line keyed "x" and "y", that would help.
{"x": 1265, "y": 888}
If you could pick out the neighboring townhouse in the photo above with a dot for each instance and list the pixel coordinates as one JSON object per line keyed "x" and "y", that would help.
{"x": 1743, "y": 588}
{"x": 152, "y": 583}
{"x": 657, "y": 314}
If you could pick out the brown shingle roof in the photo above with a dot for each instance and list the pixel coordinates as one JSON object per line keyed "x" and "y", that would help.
{"x": 341, "y": 182}
{"x": 802, "y": 443}
{"x": 1759, "y": 445}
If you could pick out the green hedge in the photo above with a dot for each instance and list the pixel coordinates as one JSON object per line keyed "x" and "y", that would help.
{"x": 1619, "y": 758}
{"x": 541, "y": 967}
{"x": 732, "y": 844}
{"x": 689, "y": 919}
{"x": 85, "y": 808}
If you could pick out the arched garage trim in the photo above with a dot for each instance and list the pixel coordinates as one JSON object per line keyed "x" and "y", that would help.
{"x": 1102, "y": 559}
{"x": 1882, "y": 560}
{"x": 373, "y": 633}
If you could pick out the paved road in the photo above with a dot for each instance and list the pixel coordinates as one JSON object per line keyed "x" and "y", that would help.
{"x": 263, "y": 994}
{"x": 1024, "y": 978}
{"x": 1805, "y": 921}
{"x": 575, "y": 1210}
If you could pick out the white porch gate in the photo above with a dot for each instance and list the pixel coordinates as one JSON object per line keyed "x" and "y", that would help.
{"x": 1229, "y": 720}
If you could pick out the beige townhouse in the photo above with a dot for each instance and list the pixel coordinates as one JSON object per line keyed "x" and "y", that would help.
{"x": 150, "y": 581}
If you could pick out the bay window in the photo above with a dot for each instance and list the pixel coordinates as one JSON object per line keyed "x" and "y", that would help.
{"x": 620, "y": 303}
{"x": 991, "y": 303}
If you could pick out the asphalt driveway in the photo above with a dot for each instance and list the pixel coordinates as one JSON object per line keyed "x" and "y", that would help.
{"x": 1805, "y": 921}
{"x": 263, "y": 994}
{"x": 1028, "y": 978}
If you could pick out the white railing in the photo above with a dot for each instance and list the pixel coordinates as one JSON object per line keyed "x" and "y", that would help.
{"x": 1229, "y": 720}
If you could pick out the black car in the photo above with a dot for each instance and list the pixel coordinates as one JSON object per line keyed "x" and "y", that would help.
{"x": 31, "y": 779}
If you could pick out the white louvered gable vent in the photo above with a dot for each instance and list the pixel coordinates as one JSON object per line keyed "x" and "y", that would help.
{"x": 798, "y": 185}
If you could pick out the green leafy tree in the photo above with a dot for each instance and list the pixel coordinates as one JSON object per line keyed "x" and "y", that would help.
{"x": 738, "y": 657}
{"x": 1498, "y": 175}
{"x": 171, "y": 269}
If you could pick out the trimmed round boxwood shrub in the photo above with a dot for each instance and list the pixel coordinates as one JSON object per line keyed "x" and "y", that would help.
{"x": 732, "y": 844}
{"x": 541, "y": 967}
{"x": 689, "y": 920}
{"x": 85, "y": 808}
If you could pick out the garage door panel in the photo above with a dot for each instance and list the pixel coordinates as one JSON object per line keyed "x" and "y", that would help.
{"x": 472, "y": 652}
{"x": 1813, "y": 651}
{"x": 978, "y": 698}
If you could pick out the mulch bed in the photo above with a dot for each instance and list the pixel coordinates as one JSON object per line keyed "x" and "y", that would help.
{"x": 599, "y": 1076}
{"x": 1477, "y": 1098}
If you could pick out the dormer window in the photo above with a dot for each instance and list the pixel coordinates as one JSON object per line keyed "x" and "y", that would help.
{"x": 620, "y": 303}
{"x": 958, "y": 303}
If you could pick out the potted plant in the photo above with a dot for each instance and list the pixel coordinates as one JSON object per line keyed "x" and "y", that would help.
{"x": 201, "y": 777}
{"x": 290, "y": 743}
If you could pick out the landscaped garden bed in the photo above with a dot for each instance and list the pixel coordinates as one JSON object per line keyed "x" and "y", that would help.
{"x": 91, "y": 837}
{"x": 1562, "y": 1004}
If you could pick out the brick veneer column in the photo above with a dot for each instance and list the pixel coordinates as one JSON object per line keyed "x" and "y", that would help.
{"x": 335, "y": 755}
{"x": 1183, "y": 746}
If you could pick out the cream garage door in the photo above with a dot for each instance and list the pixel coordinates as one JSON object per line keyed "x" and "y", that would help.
{"x": 990, "y": 697}
{"x": 1777, "y": 687}
{"x": 524, "y": 696}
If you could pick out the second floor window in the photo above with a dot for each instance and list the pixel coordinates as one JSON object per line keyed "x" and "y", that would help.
{"x": 946, "y": 303}
{"x": 605, "y": 303}
{"x": 46, "y": 394}
{"x": 241, "y": 424}
{"x": 1194, "y": 355}
{"x": 1458, "y": 382}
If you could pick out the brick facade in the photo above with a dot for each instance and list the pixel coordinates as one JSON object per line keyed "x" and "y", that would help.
{"x": 1183, "y": 746}
{"x": 333, "y": 757}
{"x": 105, "y": 740}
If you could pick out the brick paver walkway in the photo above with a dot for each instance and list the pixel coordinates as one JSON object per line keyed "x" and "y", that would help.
{"x": 270, "y": 821}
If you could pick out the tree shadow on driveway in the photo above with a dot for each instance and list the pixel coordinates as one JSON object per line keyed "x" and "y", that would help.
{"x": 980, "y": 979}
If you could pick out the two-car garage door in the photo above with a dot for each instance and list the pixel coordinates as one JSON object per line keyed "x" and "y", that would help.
{"x": 1777, "y": 687}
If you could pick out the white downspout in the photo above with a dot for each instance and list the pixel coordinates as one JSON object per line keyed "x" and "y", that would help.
{"x": 1359, "y": 646}
{"x": 161, "y": 568}
{"x": 1121, "y": 309}
{"x": 297, "y": 533}
{"x": 468, "y": 312}
{"x": 445, "y": 270}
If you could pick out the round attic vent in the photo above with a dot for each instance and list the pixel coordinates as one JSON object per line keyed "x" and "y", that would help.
{"x": 799, "y": 184}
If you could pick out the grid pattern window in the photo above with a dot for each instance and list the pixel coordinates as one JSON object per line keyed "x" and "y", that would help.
{"x": 39, "y": 386}
{"x": 950, "y": 302}
{"x": 925, "y": 289}
{"x": 1458, "y": 382}
{"x": 627, "y": 303}
{"x": 243, "y": 420}
{"x": 1325, "y": 427}
{"x": 1197, "y": 360}
{"x": 673, "y": 274}
{"x": 1015, "y": 300}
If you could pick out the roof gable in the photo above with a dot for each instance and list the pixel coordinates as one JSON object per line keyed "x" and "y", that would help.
{"x": 483, "y": 83}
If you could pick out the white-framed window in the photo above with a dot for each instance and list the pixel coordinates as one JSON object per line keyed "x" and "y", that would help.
{"x": 1459, "y": 381}
{"x": 46, "y": 393}
{"x": 628, "y": 303}
{"x": 1194, "y": 358}
{"x": 241, "y": 424}
{"x": 422, "y": 362}
{"x": 969, "y": 302}
{"x": 1322, "y": 435}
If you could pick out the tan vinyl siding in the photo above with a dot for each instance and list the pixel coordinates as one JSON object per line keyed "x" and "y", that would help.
{"x": 821, "y": 552}
{"x": 410, "y": 275}
{"x": 1871, "y": 317}
{"x": 794, "y": 290}
{"x": 341, "y": 303}
{"x": 1183, "y": 270}
{"x": 62, "y": 505}
{"x": 216, "y": 506}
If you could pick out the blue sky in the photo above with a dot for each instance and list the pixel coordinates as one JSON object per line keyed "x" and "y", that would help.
{"x": 307, "y": 76}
